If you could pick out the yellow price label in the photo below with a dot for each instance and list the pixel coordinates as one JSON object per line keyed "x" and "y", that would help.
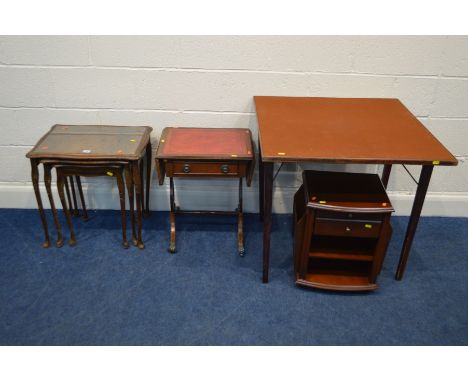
{"x": 436, "y": 162}
{"x": 368, "y": 225}
{"x": 109, "y": 173}
{"x": 133, "y": 140}
{"x": 322, "y": 201}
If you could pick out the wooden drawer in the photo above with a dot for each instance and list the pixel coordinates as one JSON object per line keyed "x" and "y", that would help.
{"x": 353, "y": 228}
{"x": 370, "y": 217}
{"x": 189, "y": 168}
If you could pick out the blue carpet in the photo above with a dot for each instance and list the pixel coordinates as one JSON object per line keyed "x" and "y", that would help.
{"x": 97, "y": 293}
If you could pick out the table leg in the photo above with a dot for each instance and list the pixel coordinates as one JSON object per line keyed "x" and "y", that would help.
{"x": 67, "y": 189}
{"x": 138, "y": 189}
{"x": 261, "y": 182}
{"x": 386, "y": 174}
{"x": 75, "y": 204}
{"x": 148, "y": 176}
{"x": 423, "y": 185}
{"x": 37, "y": 192}
{"x": 47, "y": 181}
{"x": 130, "y": 189}
{"x": 267, "y": 205}
{"x": 172, "y": 243}
{"x": 121, "y": 187}
{"x": 60, "y": 187}
{"x": 83, "y": 204}
{"x": 240, "y": 223}
{"x": 142, "y": 185}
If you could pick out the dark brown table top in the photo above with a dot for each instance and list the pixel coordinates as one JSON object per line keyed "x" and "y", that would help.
{"x": 92, "y": 142}
{"x": 205, "y": 143}
{"x": 345, "y": 130}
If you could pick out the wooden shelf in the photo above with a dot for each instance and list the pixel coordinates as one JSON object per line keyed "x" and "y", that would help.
{"x": 337, "y": 275}
{"x": 342, "y": 248}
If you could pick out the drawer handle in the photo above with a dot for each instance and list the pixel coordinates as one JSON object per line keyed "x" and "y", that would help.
{"x": 224, "y": 168}
{"x": 186, "y": 168}
{"x": 348, "y": 229}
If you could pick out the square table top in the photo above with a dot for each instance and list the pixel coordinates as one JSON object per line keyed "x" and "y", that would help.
{"x": 92, "y": 142}
{"x": 345, "y": 130}
{"x": 205, "y": 143}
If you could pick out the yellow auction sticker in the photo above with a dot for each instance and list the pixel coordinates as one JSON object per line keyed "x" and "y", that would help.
{"x": 436, "y": 162}
{"x": 109, "y": 173}
{"x": 368, "y": 225}
{"x": 322, "y": 201}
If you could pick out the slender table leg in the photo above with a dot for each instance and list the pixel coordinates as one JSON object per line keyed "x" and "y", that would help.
{"x": 240, "y": 223}
{"x": 423, "y": 184}
{"x": 75, "y": 204}
{"x": 386, "y": 174}
{"x": 130, "y": 189}
{"x": 67, "y": 189}
{"x": 121, "y": 187}
{"x": 142, "y": 185}
{"x": 172, "y": 243}
{"x": 60, "y": 186}
{"x": 261, "y": 182}
{"x": 37, "y": 192}
{"x": 138, "y": 189}
{"x": 148, "y": 177}
{"x": 47, "y": 181}
{"x": 268, "y": 200}
{"x": 83, "y": 204}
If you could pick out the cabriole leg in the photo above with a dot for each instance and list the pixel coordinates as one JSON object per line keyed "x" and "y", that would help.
{"x": 37, "y": 193}
{"x": 47, "y": 180}
{"x": 60, "y": 187}
{"x": 130, "y": 189}
{"x": 121, "y": 187}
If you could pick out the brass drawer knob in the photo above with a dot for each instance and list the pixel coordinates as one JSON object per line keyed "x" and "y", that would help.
{"x": 186, "y": 168}
{"x": 224, "y": 168}
{"x": 348, "y": 229}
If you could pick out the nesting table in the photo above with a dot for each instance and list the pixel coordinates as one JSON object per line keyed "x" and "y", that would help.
{"x": 205, "y": 153}
{"x": 82, "y": 147}
{"x": 344, "y": 130}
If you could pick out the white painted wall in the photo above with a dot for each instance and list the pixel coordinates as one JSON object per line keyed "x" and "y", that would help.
{"x": 210, "y": 82}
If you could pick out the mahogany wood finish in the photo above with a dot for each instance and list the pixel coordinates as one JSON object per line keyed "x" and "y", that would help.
{"x": 343, "y": 130}
{"x": 205, "y": 153}
{"x": 94, "y": 145}
{"x": 342, "y": 230}
{"x": 64, "y": 171}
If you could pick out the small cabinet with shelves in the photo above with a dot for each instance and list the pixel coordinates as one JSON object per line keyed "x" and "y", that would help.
{"x": 341, "y": 230}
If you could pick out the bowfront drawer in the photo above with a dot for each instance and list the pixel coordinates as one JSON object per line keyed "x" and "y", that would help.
{"x": 353, "y": 228}
{"x": 187, "y": 168}
{"x": 371, "y": 217}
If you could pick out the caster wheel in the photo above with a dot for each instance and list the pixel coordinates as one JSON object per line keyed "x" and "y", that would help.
{"x": 172, "y": 249}
{"x": 135, "y": 242}
{"x": 141, "y": 246}
{"x": 46, "y": 244}
{"x": 59, "y": 243}
{"x": 125, "y": 244}
{"x": 242, "y": 252}
{"x": 72, "y": 242}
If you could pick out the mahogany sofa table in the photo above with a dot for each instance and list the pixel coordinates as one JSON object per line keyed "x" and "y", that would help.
{"x": 344, "y": 130}
{"x": 187, "y": 152}
{"x": 94, "y": 145}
